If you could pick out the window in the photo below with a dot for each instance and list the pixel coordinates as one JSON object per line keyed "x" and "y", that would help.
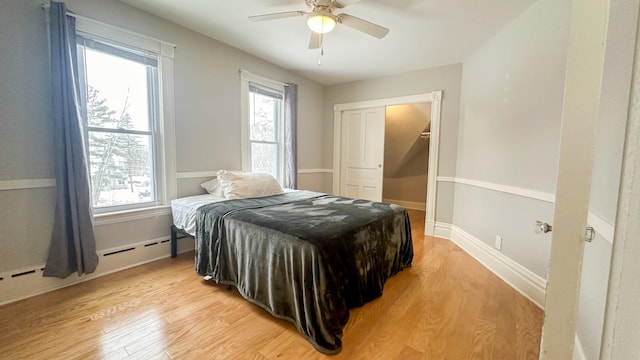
{"x": 263, "y": 126}
{"x": 121, "y": 108}
{"x": 265, "y": 122}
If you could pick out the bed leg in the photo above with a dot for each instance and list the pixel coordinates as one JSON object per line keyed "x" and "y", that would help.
{"x": 174, "y": 242}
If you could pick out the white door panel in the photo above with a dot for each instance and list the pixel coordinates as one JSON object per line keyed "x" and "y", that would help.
{"x": 351, "y": 191}
{"x": 362, "y": 142}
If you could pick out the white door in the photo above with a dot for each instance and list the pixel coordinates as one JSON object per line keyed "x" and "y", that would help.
{"x": 585, "y": 62}
{"x": 362, "y": 144}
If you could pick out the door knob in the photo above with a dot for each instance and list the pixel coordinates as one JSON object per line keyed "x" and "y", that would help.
{"x": 589, "y": 234}
{"x": 541, "y": 227}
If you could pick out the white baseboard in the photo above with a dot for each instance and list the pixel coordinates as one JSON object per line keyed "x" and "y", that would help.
{"x": 438, "y": 229}
{"x": 578, "y": 352}
{"x": 530, "y": 285}
{"x": 407, "y": 204}
{"x": 443, "y": 230}
{"x": 14, "y": 286}
{"x": 430, "y": 228}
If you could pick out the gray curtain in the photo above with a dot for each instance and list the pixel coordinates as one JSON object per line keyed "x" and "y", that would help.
{"x": 290, "y": 136}
{"x": 73, "y": 246}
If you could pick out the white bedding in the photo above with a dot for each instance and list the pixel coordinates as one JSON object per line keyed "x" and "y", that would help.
{"x": 184, "y": 210}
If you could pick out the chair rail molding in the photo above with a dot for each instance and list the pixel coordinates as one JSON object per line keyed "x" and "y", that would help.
{"x": 603, "y": 227}
{"x": 213, "y": 173}
{"x": 20, "y": 184}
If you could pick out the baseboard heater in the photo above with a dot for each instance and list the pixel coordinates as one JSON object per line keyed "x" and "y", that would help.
{"x": 21, "y": 283}
{"x": 23, "y": 273}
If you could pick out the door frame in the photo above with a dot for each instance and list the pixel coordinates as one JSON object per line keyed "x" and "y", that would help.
{"x": 435, "y": 98}
{"x": 581, "y": 107}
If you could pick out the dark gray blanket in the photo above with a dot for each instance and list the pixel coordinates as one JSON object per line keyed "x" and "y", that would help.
{"x": 303, "y": 256}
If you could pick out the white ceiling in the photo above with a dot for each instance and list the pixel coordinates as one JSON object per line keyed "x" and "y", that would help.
{"x": 423, "y": 33}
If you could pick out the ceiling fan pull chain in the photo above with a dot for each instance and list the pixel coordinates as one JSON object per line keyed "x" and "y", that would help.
{"x": 321, "y": 49}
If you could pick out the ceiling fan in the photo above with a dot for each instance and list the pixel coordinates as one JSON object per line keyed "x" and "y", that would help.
{"x": 321, "y": 20}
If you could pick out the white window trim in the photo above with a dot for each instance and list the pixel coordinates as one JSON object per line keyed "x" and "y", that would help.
{"x": 165, "y": 149}
{"x": 245, "y": 78}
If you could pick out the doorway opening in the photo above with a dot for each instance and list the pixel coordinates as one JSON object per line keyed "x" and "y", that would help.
{"x": 407, "y": 133}
{"x": 433, "y": 100}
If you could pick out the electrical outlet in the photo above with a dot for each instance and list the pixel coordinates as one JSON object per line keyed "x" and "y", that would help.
{"x": 498, "y": 243}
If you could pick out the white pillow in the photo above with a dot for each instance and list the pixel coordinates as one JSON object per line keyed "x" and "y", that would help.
{"x": 213, "y": 187}
{"x": 238, "y": 185}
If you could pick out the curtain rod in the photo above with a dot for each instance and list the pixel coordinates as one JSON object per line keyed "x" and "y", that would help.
{"x": 46, "y": 8}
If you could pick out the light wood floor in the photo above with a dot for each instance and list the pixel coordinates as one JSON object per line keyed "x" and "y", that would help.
{"x": 446, "y": 306}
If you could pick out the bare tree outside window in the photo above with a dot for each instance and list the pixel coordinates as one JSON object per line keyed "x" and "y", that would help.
{"x": 120, "y": 167}
{"x": 265, "y": 113}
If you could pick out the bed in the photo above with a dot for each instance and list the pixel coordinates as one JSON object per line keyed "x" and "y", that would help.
{"x": 303, "y": 256}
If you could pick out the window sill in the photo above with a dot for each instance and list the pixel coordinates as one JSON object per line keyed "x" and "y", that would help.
{"x": 131, "y": 215}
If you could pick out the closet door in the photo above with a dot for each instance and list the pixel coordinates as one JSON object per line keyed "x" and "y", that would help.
{"x": 362, "y": 144}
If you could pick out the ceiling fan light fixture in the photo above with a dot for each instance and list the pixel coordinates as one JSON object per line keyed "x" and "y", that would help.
{"x": 321, "y": 22}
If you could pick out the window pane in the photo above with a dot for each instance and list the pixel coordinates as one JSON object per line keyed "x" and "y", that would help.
{"x": 117, "y": 96}
{"x": 120, "y": 169}
{"x": 264, "y": 158}
{"x": 264, "y": 112}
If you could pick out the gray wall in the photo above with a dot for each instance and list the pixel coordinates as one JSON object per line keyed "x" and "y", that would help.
{"x": 445, "y": 78}
{"x": 207, "y": 113}
{"x": 25, "y": 215}
{"x": 511, "y": 109}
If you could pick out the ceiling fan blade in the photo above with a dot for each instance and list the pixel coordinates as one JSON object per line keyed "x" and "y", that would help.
{"x": 275, "y": 16}
{"x": 344, "y": 3}
{"x": 314, "y": 41}
{"x": 363, "y": 25}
